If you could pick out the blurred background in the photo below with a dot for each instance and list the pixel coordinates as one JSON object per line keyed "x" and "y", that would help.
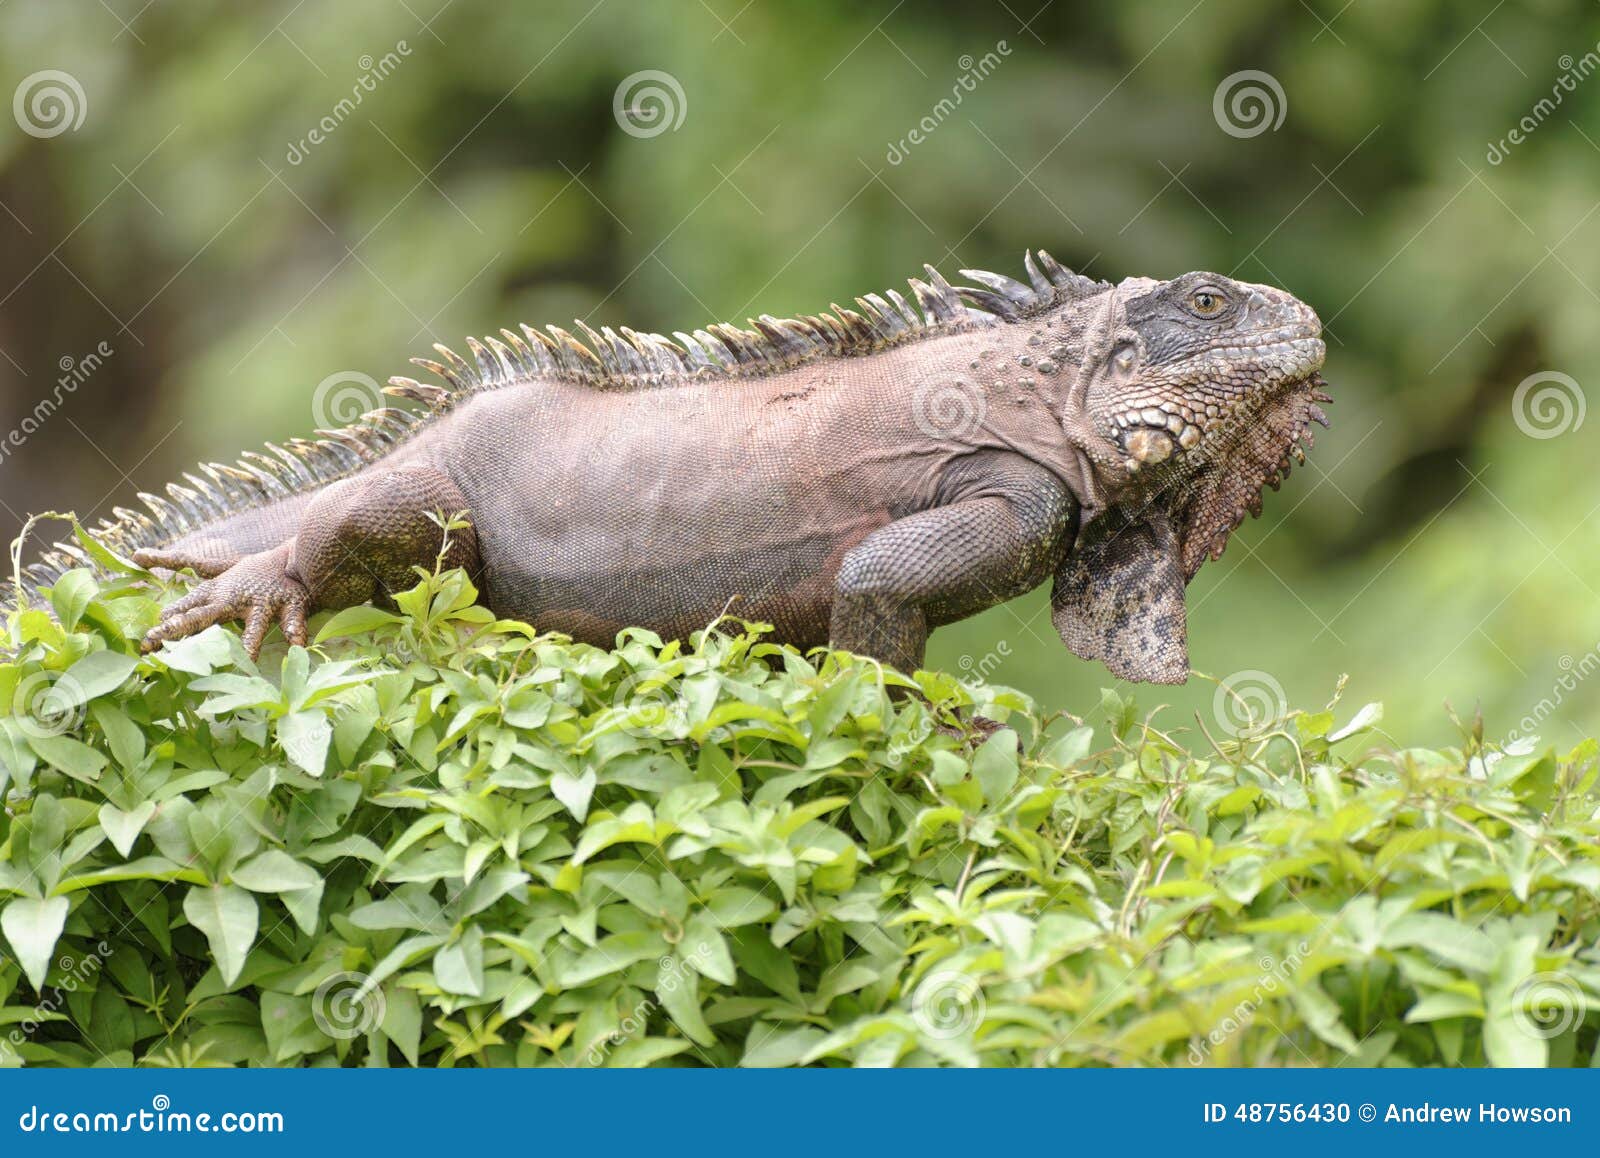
{"x": 207, "y": 209}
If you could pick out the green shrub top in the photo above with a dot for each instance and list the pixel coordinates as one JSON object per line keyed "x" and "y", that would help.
{"x": 438, "y": 838}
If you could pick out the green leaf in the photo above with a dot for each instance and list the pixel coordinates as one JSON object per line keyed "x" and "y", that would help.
{"x": 574, "y": 791}
{"x": 123, "y": 828}
{"x": 994, "y": 766}
{"x": 613, "y": 954}
{"x": 124, "y": 737}
{"x": 304, "y": 737}
{"x": 769, "y": 1046}
{"x": 358, "y": 620}
{"x": 1067, "y": 750}
{"x": 199, "y": 654}
{"x": 74, "y": 757}
{"x": 227, "y": 915}
{"x": 275, "y": 871}
{"x": 458, "y": 967}
{"x": 33, "y": 927}
{"x": 402, "y": 1020}
{"x": 97, "y": 674}
{"x": 70, "y": 596}
{"x": 705, "y": 950}
{"x": 678, "y": 990}
{"x": 1363, "y": 721}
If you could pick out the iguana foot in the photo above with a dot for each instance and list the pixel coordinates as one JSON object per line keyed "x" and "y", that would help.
{"x": 257, "y": 589}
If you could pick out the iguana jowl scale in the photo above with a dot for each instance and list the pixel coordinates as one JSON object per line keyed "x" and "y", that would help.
{"x": 857, "y": 477}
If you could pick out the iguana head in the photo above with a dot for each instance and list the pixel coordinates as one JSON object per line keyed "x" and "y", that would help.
{"x": 1205, "y": 387}
{"x": 1193, "y": 356}
{"x": 1192, "y": 396}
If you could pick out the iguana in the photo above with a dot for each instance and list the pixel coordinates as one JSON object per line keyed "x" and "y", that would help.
{"x": 856, "y": 477}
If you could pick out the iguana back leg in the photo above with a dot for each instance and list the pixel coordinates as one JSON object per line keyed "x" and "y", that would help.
{"x": 1000, "y": 534}
{"x": 358, "y": 540}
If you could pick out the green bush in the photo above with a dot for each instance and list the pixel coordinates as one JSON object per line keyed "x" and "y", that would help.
{"x": 442, "y": 839}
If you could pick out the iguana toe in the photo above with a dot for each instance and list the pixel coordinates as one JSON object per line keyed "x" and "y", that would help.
{"x": 208, "y": 559}
{"x": 256, "y": 589}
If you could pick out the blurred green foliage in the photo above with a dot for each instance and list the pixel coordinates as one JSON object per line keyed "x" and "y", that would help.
{"x": 1433, "y": 549}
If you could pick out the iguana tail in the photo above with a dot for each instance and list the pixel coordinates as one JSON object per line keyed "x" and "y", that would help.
{"x": 236, "y": 503}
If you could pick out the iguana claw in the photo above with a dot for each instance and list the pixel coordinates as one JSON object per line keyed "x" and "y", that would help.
{"x": 256, "y": 589}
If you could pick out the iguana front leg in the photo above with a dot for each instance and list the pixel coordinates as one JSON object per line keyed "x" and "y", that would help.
{"x": 1000, "y": 534}
{"x": 358, "y": 540}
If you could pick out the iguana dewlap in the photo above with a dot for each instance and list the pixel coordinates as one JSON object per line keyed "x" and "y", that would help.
{"x": 855, "y": 478}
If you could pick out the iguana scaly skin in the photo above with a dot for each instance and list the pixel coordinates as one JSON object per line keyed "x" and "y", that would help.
{"x": 858, "y": 477}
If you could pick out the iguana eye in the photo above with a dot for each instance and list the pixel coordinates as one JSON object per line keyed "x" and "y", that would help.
{"x": 1206, "y": 302}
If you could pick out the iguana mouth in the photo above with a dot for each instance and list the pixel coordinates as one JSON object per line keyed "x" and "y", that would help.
{"x": 1152, "y": 433}
{"x": 1229, "y": 456}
